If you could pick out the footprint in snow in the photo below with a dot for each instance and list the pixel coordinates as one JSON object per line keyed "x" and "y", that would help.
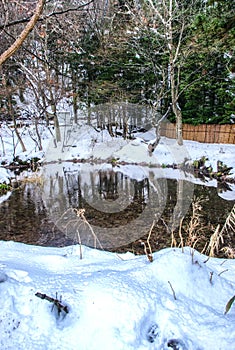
{"x": 176, "y": 344}
{"x": 3, "y": 277}
{"x": 153, "y": 333}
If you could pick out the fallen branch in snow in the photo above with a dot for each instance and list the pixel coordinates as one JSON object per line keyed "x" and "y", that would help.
{"x": 229, "y": 304}
{"x": 174, "y": 295}
{"x": 56, "y": 302}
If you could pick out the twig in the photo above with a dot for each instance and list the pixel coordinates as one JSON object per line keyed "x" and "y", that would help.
{"x": 172, "y": 290}
{"x": 56, "y": 302}
{"x": 150, "y": 254}
{"x": 75, "y": 220}
{"x": 229, "y": 223}
{"x": 222, "y": 272}
{"x": 214, "y": 242}
{"x": 211, "y": 275}
{"x": 80, "y": 213}
{"x": 180, "y": 234}
{"x": 192, "y": 255}
{"x": 80, "y": 244}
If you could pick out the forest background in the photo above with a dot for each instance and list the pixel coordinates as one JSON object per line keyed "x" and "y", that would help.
{"x": 176, "y": 57}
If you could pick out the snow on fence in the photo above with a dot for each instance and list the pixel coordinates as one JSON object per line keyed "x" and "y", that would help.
{"x": 208, "y": 133}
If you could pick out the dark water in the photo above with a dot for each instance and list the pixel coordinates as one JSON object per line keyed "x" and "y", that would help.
{"x": 30, "y": 216}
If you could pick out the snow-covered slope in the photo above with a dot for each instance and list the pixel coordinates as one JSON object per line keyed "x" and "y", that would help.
{"x": 114, "y": 302}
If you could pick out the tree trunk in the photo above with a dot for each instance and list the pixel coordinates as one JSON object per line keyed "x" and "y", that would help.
{"x": 175, "y": 107}
{"x": 56, "y": 124}
{"x": 19, "y": 137}
{"x": 178, "y": 116}
{"x": 174, "y": 75}
{"x": 8, "y": 94}
{"x": 75, "y": 106}
{"x": 157, "y": 125}
{"x": 38, "y": 135}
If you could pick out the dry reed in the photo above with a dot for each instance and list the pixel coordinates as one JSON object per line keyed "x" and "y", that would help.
{"x": 71, "y": 221}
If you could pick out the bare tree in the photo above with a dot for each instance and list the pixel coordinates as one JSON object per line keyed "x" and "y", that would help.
{"x": 168, "y": 20}
{"x": 9, "y": 91}
{"x": 25, "y": 32}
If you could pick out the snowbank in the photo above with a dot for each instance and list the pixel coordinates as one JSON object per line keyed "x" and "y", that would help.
{"x": 114, "y": 302}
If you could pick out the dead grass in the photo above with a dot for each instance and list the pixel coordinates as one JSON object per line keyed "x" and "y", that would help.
{"x": 217, "y": 238}
{"x": 214, "y": 243}
{"x": 193, "y": 232}
{"x": 147, "y": 246}
{"x": 229, "y": 225}
{"x": 34, "y": 178}
{"x": 73, "y": 222}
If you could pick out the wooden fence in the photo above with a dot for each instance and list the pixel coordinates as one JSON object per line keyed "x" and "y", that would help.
{"x": 208, "y": 133}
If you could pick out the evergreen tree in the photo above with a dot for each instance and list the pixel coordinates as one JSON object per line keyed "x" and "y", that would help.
{"x": 210, "y": 99}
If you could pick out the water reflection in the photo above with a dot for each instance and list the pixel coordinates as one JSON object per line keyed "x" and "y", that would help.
{"x": 119, "y": 209}
{"x": 22, "y": 215}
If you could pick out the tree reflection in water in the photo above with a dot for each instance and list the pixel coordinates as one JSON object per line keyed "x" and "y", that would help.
{"x": 113, "y": 203}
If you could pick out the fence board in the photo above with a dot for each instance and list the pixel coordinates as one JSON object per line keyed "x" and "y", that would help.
{"x": 208, "y": 133}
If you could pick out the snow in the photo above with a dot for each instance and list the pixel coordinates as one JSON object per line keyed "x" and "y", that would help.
{"x": 118, "y": 302}
{"x": 114, "y": 301}
{"x": 4, "y": 176}
{"x": 12, "y": 147}
{"x": 84, "y": 142}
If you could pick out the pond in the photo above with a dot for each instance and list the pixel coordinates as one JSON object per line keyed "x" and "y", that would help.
{"x": 114, "y": 208}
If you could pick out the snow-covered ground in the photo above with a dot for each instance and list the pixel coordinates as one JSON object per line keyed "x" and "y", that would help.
{"x": 110, "y": 301}
{"x": 114, "y": 302}
{"x": 85, "y": 143}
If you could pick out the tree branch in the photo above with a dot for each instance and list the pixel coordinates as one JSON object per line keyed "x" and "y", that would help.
{"x": 61, "y": 12}
{"x": 6, "y": 15}
{"x": 18, "y": 42}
